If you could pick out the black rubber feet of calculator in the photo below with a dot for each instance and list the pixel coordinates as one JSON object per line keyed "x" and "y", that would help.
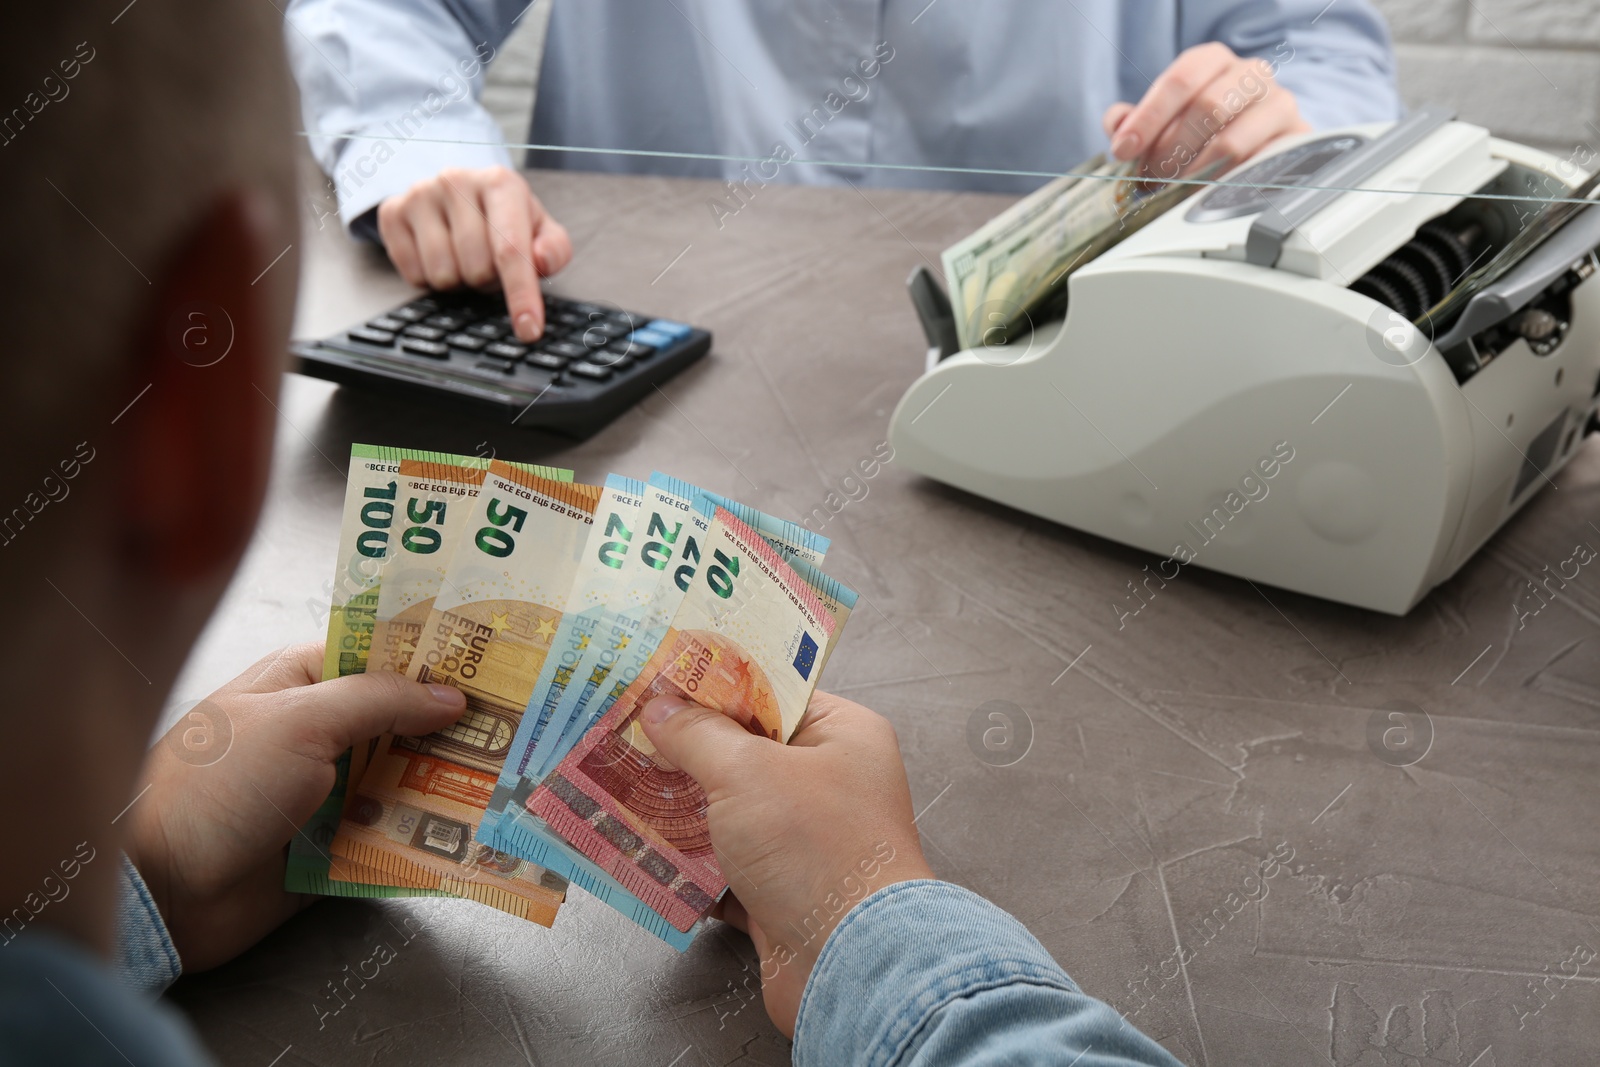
{"x": 593, "y": 362}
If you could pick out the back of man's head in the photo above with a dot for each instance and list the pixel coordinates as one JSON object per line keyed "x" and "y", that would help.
{"x": 120, "y": 124}
{"x": 147, "y": 185}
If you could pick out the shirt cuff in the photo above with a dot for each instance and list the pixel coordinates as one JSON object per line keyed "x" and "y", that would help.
{"x": 899, "y": 956}
{"x": 146, "y": 957}
{"x": 383, "y": 159}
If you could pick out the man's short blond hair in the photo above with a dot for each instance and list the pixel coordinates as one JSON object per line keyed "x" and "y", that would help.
{"x": 119, "y": 125}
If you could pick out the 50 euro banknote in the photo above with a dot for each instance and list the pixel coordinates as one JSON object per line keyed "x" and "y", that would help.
{"x": 366, "y": 534}
{"x": 432, "y": 512}
{"x": 489, "y": 630}
{"x": 745, "y": 640}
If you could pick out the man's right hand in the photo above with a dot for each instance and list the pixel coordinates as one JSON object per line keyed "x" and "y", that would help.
{"x": 803, "y": 831}
{"x": 482, "y": 228}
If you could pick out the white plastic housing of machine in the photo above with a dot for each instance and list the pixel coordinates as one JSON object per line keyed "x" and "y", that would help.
{"x": 1220, "y": 395}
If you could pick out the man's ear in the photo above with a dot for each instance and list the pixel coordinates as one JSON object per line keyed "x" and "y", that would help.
{"x": 211, "y": 354}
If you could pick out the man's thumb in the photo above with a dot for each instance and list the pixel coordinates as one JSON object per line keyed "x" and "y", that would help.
{"x": 345, "y": 711}
{"x": 703, "y": 743}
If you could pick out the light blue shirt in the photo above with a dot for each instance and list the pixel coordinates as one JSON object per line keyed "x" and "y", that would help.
{"x": 1001, "y": 84}
{"x": 919, "y": 974}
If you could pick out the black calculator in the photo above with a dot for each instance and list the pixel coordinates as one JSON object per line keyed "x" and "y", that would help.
{"x": 592, "y": 363}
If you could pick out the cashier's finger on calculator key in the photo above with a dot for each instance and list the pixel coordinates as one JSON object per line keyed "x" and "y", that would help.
{"x": 510, "y": 213}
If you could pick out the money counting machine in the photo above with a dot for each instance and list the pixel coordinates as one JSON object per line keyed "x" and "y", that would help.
{"x": 1283, "y": 378}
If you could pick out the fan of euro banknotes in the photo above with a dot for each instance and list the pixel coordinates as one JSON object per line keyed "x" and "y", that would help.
{"x": 1012, "y": 271}
{"x": 559, "y": 610}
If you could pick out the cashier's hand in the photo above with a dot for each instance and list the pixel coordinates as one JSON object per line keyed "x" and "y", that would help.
{"x": 234, "y": 779}
{"x": 803, "y": 831}
{"x": 1208, "y": 105}
{"x": 481, "y": 228}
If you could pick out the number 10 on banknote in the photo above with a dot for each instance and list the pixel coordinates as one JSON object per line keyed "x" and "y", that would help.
{"x": 745, "y": 641}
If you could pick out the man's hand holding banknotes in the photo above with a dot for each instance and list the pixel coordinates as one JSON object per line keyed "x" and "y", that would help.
{"x": 804, "y": 831}
{"x": 798, "y": 827}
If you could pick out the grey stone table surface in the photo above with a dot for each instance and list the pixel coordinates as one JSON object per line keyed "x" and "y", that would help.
{"x": 1202, "y": 821}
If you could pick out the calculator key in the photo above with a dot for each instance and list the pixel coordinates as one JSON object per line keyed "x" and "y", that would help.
{"x": 506, "y": 350}
{"x": 653, "y": 338}
{"x": 605, "y": 330}
{"x": 387, "y": 322}
{"x": 425, "y": 333}
{"x": 465, "y": 341}
{"x": 408, "y": 314}
{"x": 431, "y": 349}
{"x": 570, "y": 320}
{"x": 590, "y": 371}
{"x": 490, "y": 367}
{"x": 446, "y": 321}
{"x": 631, "y": 350}
{"x": 547, "y": 361}
{"x": 604, "y": 358}
{"x": 489, "y": 331}
{"x": 371, "y": 336}
{"x": 591, "y": 310}
{"x": 675, "y": 330}
{"x": 565, "y": 349}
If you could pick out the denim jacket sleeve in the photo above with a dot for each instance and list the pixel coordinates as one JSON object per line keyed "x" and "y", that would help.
{"x": 59, "y": 1003}
{"x": 925, "y": 972}
{"x": 146, "y": 958}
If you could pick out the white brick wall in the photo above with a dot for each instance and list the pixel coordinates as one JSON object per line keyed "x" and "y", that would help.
{"x": 1529, "y": 70}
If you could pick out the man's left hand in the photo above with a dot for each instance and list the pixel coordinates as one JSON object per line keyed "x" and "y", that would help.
{"x": 232, "y": 782}
{"x": 1210, "y": 105}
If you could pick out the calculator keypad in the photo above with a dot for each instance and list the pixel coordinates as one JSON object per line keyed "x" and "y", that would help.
{"x": 587, "y": 350}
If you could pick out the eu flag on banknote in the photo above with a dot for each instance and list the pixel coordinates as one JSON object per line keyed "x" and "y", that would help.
{"x": 806, "y": 658}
